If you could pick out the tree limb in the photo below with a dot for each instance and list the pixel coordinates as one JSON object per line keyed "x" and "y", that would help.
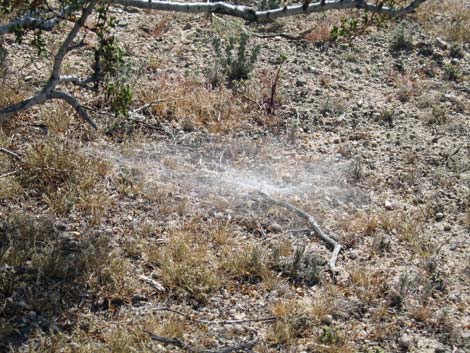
{"x": 316, "y": 228}
{"x": 215, "y": 322}
{"x": 72, "y": 101}
{"x": 49, "y": 92}
{"x": 10, "y": 153}
{"x": 252, "y": 15}
{"x": 29, "y": 22}
{"x": 76, "y": 81}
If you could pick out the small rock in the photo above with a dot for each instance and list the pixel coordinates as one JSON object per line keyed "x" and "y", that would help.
{"x": 447, "y": 227}
{"x": 440, "y": 43}
{"x": 132, "y": 9}
{"x": 439, "y": 216}
{"x": 353, "y": 254}
{"x": 384, "y": 242}
{"x": 300, "y": 83}
{"x": 61, "y": 227}
{"x": 236, "y": 329}
{"x": 389, "y": 205}
{"x": 440, "y": 349}
{"x": 275, "y": 227}
{"x": 404, "y": 342}
{"x": 327, "y": 320}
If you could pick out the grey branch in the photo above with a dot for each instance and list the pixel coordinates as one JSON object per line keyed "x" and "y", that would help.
{"x": 10, "y": 153}
{"x": 49, "y": 91}
{"x": 316, "y": 228}
{"x": 77, "y": 81}
{"x": 72, "y": 101}
{"x": 182, "y": 345}
{"x": 252, "y": 15}
{"x": 29, "y": 22}
{"x": 215, "y": 322}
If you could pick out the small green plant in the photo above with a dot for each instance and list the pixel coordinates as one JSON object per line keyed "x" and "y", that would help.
{"x": 346, "y": 29}
{"x": 234, "y": 59}
{"x": 402, "y": 38}
{"x": 438, "y": 115}
{"x": 452, "y": 72}
{"x": 354, "y": 26}
{"x": 331, "y": 336}
{"x": 264, "y": 5}
{"x": 120, "y": 97}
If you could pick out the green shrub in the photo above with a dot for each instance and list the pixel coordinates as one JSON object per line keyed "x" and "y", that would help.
{"x": 234, "y": 59}
{"x": 264, "y": 5}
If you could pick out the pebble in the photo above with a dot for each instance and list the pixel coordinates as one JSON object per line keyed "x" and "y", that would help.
{"x": 61, "y": 227}
{"x": 404, "y": 342}
{"x": 439, "y": 216}
{"x": 385, "y": 242}
{"x": 447, "y": 227}
{"x": 275, "y": 227}
{"x": 327, "y": 320}
{"x": 353, "y": 254}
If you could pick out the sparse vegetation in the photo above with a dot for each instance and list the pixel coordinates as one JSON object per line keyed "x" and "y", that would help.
{"x": 152, "y": 224}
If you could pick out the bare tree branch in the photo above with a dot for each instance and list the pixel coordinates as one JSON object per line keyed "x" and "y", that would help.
{"x": 10, "y": 153}
{"x": 49, "y": 92}
{"x": 214, "y": 322}
{"x": 316, "y": 228}
{"x": 76, "y": 81}
{"x": 252, "y": 15}
{"x": 75, "y": 104}
{"x": 29, "y": 22}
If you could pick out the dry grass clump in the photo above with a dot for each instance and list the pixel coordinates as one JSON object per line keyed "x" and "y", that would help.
{"x": 449, "y": 19}
{"x": 292, "y": 321}
{"x": 186, "y": 264}
{"x": 367, "y": 284}
{"x": 192, "y": 104}
{"x": 62, "y": 176}
{"x": 250, "y": 264}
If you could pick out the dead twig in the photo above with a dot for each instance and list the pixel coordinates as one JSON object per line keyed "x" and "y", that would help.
{"x": 10, "y": 153}
{"x": 8, "y": 174}
{"x": 187, "y": 347}
{"x": 215, "y": 322}
{"x": 148, "y": 105}
{"x": 316, "y": 228}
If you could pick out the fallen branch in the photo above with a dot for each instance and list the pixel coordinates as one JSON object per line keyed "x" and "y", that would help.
{"x": 252, "y": 15}
{"x": 10, "y": 153}
{"x": 187, "y": 347}
{"x": 148, "y": 105}
{"x": 72, "y": 101}
{"x": 8, "y": 174}
{"x": 316, "y": 228}
{"x": 77, "y": 81}
{"x": 29, "y": 22}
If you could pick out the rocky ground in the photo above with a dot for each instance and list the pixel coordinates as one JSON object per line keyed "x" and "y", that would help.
{"x": 155, "y": 223}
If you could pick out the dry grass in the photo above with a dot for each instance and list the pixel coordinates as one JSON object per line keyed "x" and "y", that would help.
{"x": 448, "y": 19}
{"x": 191, "y": 104}
{"x": 55, "y": 171}
{"x": 250, "y": 263}
{"x": 292, "y": 320}
{"x": 186, "y": 264}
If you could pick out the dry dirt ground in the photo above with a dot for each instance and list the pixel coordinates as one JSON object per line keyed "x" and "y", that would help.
{"x": 155, "y": 224}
